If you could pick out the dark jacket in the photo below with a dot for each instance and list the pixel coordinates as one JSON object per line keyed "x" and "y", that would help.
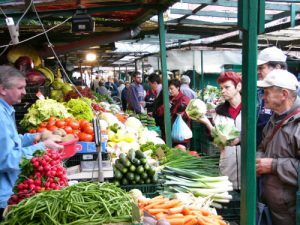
{"x": 135, "y": 95}
{"x": 112, "y": 88}
{"x": 280, "y": 186}
{"x": 149, "y": 99}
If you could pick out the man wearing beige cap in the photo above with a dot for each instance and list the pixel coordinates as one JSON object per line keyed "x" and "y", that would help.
{"x": 268, "y": 59}
{"x": 278, "y": 155}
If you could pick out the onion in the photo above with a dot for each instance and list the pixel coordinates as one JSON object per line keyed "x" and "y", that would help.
{"x": 24, "y": 64}
{"x": 35, "y": 77}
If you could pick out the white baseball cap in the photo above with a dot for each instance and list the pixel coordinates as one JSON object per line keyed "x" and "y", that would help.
{"x": 271, "y": 54}
{"x": 279, "y": 78}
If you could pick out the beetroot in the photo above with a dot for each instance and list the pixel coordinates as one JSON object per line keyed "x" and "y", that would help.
{"x": 35, "y": 77}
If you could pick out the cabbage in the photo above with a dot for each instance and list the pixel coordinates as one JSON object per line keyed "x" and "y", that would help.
{"x": 196, "y": 109}
{"x": 134, "y": 123}
{"x": 223, "y": 134}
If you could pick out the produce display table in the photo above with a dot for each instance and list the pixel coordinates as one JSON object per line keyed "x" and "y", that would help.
{"x": 86, "y": 175}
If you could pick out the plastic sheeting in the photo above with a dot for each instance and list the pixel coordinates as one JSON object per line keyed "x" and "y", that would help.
{"x": 213, "y": 61}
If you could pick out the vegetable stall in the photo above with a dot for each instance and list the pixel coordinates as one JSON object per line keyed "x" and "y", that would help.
{"x": 146, "y": 181}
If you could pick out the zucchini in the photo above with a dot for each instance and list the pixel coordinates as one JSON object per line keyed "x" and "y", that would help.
{"x": 130, "y": 176}
{"x": 117, "y": 174}
{"x": 121, "y": 168}
{"x": 125, "y": 162}
{"x": 140, "y": 169}
{"x": 122, "y": 155}
{"x": 139, "y": 154}
{"x": 124, "y": 181}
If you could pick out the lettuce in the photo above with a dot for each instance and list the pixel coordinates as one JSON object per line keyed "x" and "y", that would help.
{"x": 196, "y": 109}
{"x": 223, "y": 134}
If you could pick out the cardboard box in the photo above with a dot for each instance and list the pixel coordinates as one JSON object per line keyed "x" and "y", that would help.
{"x": 90, "y": 147}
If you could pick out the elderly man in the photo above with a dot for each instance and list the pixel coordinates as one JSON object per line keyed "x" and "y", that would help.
{"x": 268, "y": 59}
{"x": 278, "y": 155}
{"x": 185, "y": 87}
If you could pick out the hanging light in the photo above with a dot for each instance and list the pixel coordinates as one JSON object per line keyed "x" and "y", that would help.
{"x": 90, "y": 57}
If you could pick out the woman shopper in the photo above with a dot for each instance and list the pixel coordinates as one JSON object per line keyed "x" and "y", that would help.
{"x": 229, "y": 112}
{"x": 178, "y": 104}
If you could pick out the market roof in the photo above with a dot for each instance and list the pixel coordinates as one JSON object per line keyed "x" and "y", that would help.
{"x": 208, "y": 24}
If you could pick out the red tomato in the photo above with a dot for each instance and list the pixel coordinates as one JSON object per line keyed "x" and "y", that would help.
{"x": 60, "y": 123}
{"x": 52, "y": 128}
{"x": 43, "y": 124}
{"x": 68, "y": 119}
{"x": 68, "y": 129}
{"x": 51, "y": 123}
{"x": 41, "y": 129}
{"x": 85, "y": 137}
{"x": 88, "y": 129}
{"x": 83, "y": 122}
{"x": 52, "y": 118}
{"x": 32, "y": 131}
{"x": 74, "y": 124}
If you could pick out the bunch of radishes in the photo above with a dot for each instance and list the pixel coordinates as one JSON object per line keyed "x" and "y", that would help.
{"x": 42, "y": 172}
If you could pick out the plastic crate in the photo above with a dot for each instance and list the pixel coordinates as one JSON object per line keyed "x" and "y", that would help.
{"x": 77, "y": 158}
{"x": 231, "y": 211}
{"x": 148, "y": 190}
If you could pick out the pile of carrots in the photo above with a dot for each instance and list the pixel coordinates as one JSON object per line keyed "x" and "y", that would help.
{"x": 176, "y": 213}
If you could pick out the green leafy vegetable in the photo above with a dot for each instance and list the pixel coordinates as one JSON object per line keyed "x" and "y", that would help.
{"x": 80, "y": 108}
{"x": 223, "y": 134}
{"x": 42, "y": 110}
{"x": 196, "y": 109}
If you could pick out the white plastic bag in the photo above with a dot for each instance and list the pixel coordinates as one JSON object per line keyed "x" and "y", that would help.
{"x": 180, "y": 130}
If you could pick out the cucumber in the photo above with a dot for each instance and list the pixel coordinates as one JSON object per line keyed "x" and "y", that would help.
{"x": 122, "y": 155}
{"x": 139, "y": 154}
{"x": 147, "y": 167}
{"x": 144, "y": 176}
{"x": 130, "y": 176}
{"x": 137, "y": 178}
{"x": 140, "y": 169}
{"x": 117, "y": 174}
{"x": 124, "y": 181}
{"x": 125, "y": 162}
{"x": 121, "y": 168}
{"x": 132, "y": 168}
{"x": 143, "y": 161}
{"x": 136, "y": 162}
{"x": 131, "y": 154}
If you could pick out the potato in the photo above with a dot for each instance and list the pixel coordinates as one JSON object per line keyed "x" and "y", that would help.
{"x": 56, "y": 138}
{"x": 45, "y": 135}
{"x": 68, "y": 137}
{"x": 60, "y": 132}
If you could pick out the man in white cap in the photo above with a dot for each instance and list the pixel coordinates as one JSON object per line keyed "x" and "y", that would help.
{"x": 278, "y": 155}
{"x": 268, "y": 59}
{"x": 185, "y": 87}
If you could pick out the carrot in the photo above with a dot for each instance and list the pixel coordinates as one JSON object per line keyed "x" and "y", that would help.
{"x": 201, "y": 221}
{"x": 191, "y": 221}
{"x": 175, "y": 210}
{"x": 176, "y": 221}
{"x": 170, "y": 204}
{"x": 186, "y": 211}
{"x": 205, "y": 212}
{"x": 173, "y": 216}
{"x": 154, "y": 204}
{"x": 160, "y": 215}
{"x": 156, "y": 211}
{"x": 156, "y": 198}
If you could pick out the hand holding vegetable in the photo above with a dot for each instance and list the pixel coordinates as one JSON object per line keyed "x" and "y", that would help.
{"x": 206, "y": 122}
{"x": 50, "y": 144}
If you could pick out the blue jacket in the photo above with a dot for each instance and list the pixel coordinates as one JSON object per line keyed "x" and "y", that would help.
{"x": 263, "y": 116}
{"x": 13, "y": 148}
{"x": 134, "y": 96}
{"x": 112, "y": 88}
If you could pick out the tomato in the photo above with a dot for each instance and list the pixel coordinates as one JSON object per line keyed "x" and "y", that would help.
{"x": 88, "y": 129}
{"x": 41, "y": 129}
{"x": 67, "y": 120}
{"x": 85, "y": 137}
{"x": 32, "y": 131}
{"x": 74, "y": 124}
{"x": 43, "y": 124}
{"x": 52, "y": 118}
{"x": 68, "y": 129}
{"x": 82, "y": 123}
{"x": 52, "y": 128}
{"x": 60, "y": 123}
{"x": 51, "y": 123}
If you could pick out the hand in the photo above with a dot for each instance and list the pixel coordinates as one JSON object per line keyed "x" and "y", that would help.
{"x": 206, "y": 122}
{"x": 263, "y": 166}
{"x": 235, "y": 142}
{"x": 142, "y": 103}
{"x": 52, "y": 145}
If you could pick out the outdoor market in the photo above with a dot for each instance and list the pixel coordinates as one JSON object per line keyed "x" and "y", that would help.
{"x": 149, "y": 112}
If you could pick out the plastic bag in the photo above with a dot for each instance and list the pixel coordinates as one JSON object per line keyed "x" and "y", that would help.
{"x": 180, "y": 130}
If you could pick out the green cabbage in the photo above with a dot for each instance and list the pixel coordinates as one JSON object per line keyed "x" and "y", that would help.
{"x": 80, "y": 108}
{"x": 196, "y": 109}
